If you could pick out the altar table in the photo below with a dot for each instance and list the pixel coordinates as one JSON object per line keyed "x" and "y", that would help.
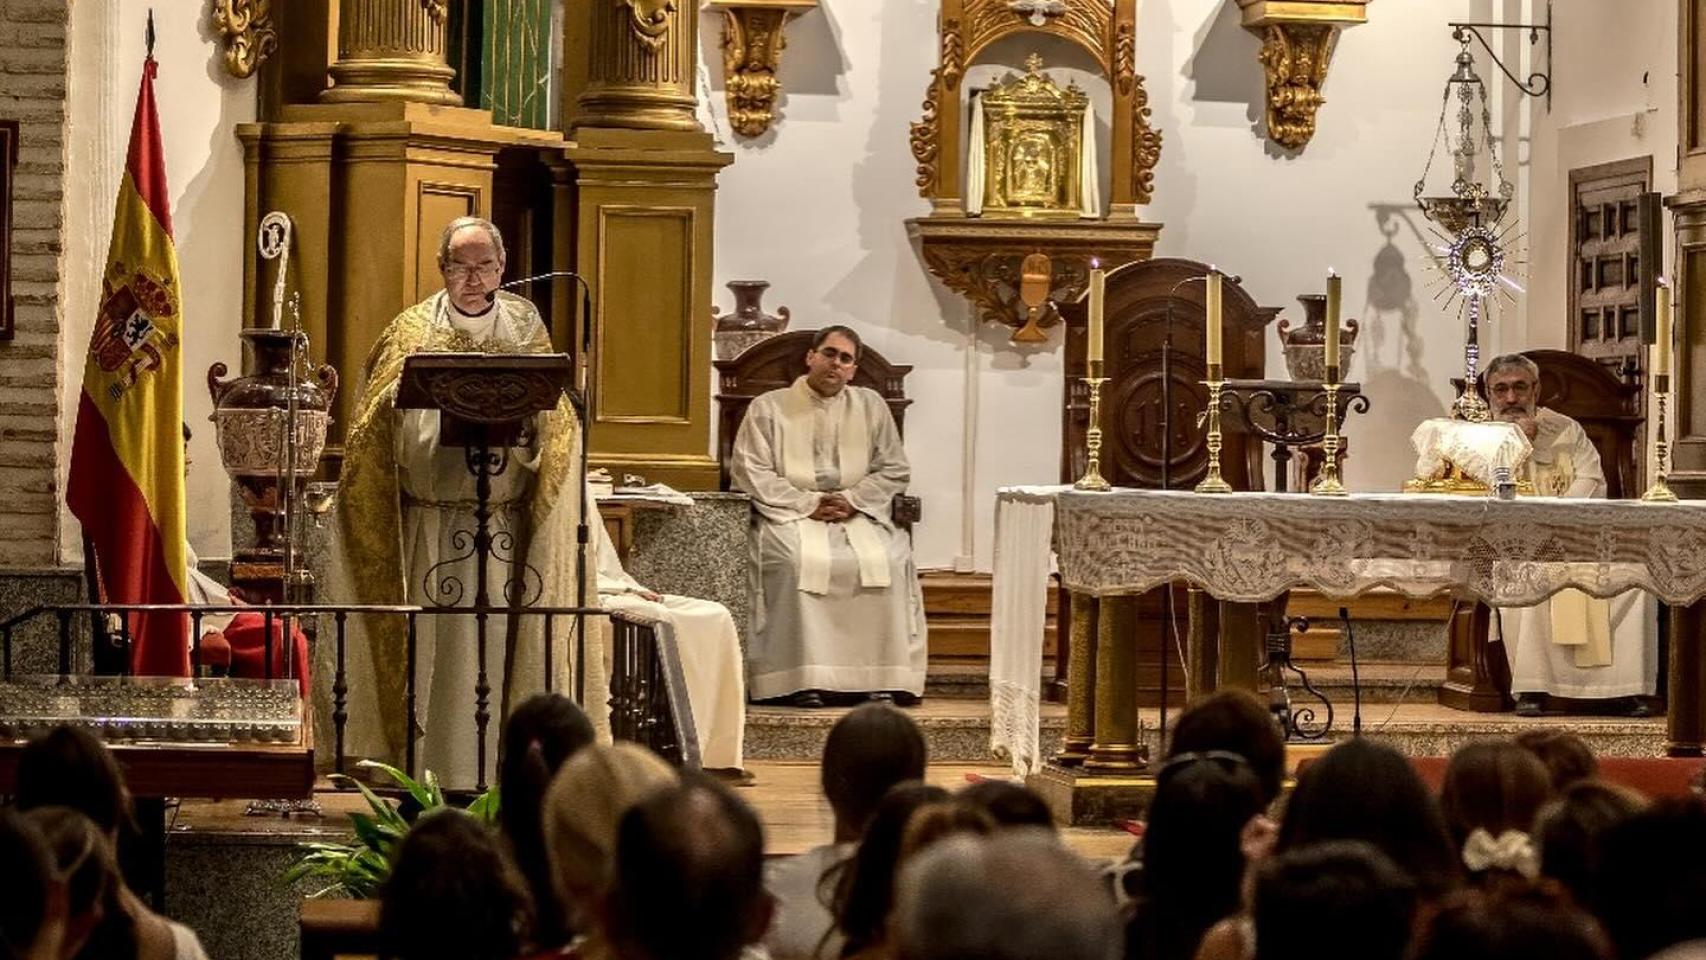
{"x": 1254, "y": 547}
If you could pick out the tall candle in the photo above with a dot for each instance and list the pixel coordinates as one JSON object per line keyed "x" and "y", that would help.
{"x": 1662, "y": 332}
{"x": 1213, "y": 318}
{"x": 1332, "y": 357}
{"x": 1098, "y": 289}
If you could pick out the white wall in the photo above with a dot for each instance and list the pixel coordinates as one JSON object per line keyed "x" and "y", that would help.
{"x": 199, "y": 107}
{"x": 817, "y": 207}
{"x": 1614, "y": 98}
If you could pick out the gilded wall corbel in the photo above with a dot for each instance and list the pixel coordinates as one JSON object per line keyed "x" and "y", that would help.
{"x": 752, "y": 56}
{"x": 1297, "y": 47}
{"x": 246, "y": 30}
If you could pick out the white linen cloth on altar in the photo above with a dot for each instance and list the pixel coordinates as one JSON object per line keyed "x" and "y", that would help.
{"x": 1024, "y": 558}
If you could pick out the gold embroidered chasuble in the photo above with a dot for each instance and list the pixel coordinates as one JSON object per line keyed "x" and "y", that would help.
{"x": 371, "y": 565}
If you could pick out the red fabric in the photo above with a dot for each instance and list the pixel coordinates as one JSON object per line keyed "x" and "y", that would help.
{"x": 1653, "y": 776}
{"x": 146, "y": 161}
{"x": 115, "y": 516}
{"x": 247, "y": 636}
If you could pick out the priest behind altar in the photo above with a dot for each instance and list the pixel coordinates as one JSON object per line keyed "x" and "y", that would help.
{"x": 405, "y": 519}
{"x": 837, "y": 607}
{"x": 1571, "y": 645}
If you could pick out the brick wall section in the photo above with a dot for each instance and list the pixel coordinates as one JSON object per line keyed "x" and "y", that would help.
{"x": 33, "y": 92}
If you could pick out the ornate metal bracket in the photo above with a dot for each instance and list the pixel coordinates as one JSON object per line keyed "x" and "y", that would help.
{"x": 1297, "y": 45}
{"x": 1539, "y": 83}
{"x": 752, "y": 55}
{"x": 1286, "y": 414}
{"x": 245, "y": 27}
{"x": 1299, "y": 723}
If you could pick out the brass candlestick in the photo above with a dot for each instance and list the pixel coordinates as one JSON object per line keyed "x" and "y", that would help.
{"x": 1214, "y": 482}
{"x": 1092, "y": 478}
{"x": 1327, "y": 484}
{"x": 1660, "y": 491}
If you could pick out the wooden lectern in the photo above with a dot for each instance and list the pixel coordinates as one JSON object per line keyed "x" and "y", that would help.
{"x": 483, "y": 402}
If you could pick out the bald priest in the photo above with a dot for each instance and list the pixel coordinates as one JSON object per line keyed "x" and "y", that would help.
{"x": 837, "y": 606}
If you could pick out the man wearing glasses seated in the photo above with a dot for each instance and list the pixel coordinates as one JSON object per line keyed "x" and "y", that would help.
{"x": 837, "y": 606}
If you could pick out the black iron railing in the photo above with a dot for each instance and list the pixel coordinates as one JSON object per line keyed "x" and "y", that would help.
{"x": 647, "y": 695}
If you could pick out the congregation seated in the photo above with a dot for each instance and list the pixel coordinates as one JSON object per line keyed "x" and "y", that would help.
{"x": 72, "y": 794}
{"x": 454, "y": 892}
{"x": 541, "y": 734}
{"x": 837, "y": 604}
{"x": 1371, "y": 901}
{"x": 870, "y": 749}
{"x": 1492, "y": 792}
{"x": 960, "y": 900}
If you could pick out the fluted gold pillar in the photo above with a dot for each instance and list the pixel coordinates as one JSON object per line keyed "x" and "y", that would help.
{"x": 391, "y": 50}
{"x": 641, "y": 62}
{"x": 1115, "y": 749}
{"x": 1080, "y": 684}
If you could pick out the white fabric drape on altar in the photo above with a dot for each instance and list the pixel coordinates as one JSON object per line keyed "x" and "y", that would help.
{"x": 1024, "y": 529}
{"x": 975, "y": 160}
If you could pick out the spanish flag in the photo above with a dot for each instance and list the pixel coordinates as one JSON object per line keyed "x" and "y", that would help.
{"x": 127, "y": 461}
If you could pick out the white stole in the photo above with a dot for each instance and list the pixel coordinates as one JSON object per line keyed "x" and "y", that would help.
{"x": 1576, "y": 619}
{"x": 853, "y": 460}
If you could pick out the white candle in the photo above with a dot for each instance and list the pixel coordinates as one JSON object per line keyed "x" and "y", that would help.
{"x": 1662, "y": 331}
{"x": 1332, "y": 342}
{"x": 1212, "y": 320}
{"x": 1098, "y": 289}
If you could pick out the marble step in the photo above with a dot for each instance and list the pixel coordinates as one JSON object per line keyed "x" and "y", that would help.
{"x": 1381, "y": 681}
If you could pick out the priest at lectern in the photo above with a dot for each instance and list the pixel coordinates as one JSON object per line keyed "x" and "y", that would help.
{"x": 405, "y": 522}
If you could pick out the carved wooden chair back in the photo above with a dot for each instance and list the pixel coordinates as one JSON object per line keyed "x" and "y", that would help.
{"x": 1151, "y": 304}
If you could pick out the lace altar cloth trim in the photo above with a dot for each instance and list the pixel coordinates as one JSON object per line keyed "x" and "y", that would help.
{"x": 1250, "y": 547}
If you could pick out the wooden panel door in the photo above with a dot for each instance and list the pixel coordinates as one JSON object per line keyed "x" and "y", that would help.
{"x": 1605, "y": 246}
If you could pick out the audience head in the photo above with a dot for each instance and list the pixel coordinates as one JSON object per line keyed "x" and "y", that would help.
{"x": 1649, "y": 878}
{"x": 1570, "y": 828}
{"x": 540, "y": 734}
{"x": 1565, "y": 755}
{"x": 97, "y": 925}
{"x": 689, "y": 879}
{"x": 1238, "y": 722}
{"x": 584, "y": 806}
{"x": 1193, "y": 859}
{"x": 453, "y": 893}
{"x": 958, "y": 900}
{"x": 1493, "y": 790}
{"x": 1513, "y": 922}
{"x": 1008, "y": 804}
{"x": 1371, "y": 901}
{"x": 32, "y": 901}
{"x": 1362, "y": 790}
{"x": 864, "y": 890}
{"x": 70, "y": 767}
{"x": 872, "y": 748}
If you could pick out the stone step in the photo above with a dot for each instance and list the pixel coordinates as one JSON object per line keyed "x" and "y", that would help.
{"x": 1381, "y": 681}
{"x": 955, "y": 730}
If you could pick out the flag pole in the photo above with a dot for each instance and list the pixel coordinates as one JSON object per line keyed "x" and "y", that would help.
{"x": 150, "y": 33}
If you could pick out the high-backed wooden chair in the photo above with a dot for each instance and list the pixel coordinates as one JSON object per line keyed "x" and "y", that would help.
{"x": 1150, "y": 304}
{"x": 1608, "y": 408}
{"x": 775, "y": 363}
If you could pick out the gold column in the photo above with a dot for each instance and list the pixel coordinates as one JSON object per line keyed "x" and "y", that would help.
{"x": 391, "y": 50}
{"x": 1080, "y": 683}
{"x": 642, "y": 56}
{"x": 645, "y": 179}
{"x": 1116, "y": 748}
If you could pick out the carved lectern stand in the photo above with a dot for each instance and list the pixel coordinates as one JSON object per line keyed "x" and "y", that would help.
{"x": 483, "y": 401}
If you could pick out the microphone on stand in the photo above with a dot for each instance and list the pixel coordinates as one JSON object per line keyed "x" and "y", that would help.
{"x": 580, "y": 397}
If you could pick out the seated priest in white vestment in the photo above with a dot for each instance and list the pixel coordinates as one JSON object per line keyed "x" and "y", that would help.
{"x": 837, "y": 606}
{"x": 706, "y": 642}
{"x": 405, "y": 523}
{"x": 1572, "y": 645}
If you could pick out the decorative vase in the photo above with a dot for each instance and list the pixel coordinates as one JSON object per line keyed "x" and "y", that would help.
{"x": 1306, "y": 347}
{"x": 748, "y": 324}
{"x": 249, "y": 413}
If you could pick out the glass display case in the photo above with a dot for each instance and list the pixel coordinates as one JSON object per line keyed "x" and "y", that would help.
{"x": 175, "y": 710}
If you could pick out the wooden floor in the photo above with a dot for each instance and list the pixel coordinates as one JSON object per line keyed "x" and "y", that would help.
{"x": 786, "y": 796}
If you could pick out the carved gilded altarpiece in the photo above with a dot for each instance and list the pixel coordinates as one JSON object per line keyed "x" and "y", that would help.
{"x": 1030, "y": 242}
